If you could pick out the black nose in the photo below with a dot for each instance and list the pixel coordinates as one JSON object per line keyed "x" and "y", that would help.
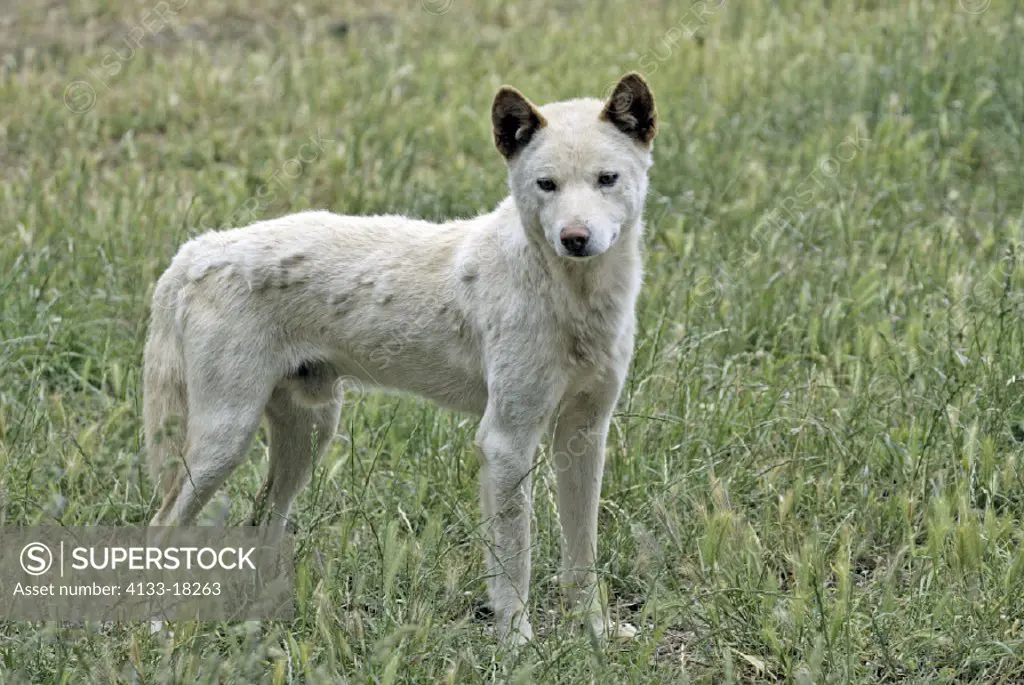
{"x": 574, "y": 240}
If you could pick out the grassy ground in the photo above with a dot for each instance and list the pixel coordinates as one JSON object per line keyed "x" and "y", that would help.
{"x": 816, "y": 470}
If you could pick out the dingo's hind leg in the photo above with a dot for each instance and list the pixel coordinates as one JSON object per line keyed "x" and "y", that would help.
{"x": 299, "y": 437}
{"x": 225, "y": 402}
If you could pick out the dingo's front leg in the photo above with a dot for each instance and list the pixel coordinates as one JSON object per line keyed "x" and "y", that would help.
{"x": 507, "y": 440}
{"x": 578, "y": 460}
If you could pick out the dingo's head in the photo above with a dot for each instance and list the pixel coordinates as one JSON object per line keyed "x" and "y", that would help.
{"x": 578, "y": 169}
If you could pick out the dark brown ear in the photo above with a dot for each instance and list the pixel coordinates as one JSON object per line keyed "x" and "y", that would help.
{"x": 515, "y": 121}
{"x": 631, "y": 108}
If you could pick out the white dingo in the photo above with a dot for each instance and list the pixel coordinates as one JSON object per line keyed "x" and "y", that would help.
{"x": 523, "y": 316}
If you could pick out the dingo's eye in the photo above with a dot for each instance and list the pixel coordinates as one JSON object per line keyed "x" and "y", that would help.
{"x": 607, "y": 179}
{"x": 547, "y": 185}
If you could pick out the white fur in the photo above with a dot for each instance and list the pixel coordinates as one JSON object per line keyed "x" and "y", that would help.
{"x": 483, "y": 315}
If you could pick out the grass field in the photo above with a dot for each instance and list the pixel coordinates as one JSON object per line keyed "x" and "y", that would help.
{"x": 815, "y": 472}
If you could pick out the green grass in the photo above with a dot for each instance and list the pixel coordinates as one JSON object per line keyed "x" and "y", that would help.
{"x": 815, "y": 473}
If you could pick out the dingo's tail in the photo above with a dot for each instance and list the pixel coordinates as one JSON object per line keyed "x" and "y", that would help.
{"x": 165, "y": 397}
